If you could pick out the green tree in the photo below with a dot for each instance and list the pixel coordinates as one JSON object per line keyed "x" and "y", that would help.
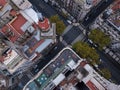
{"x": 106, "y": 73}
{"x": 85, "y": 51}
{"x": 99, "y": 38}
{"x": 60, "y": 26}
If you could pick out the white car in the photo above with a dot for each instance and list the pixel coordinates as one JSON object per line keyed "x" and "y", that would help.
{"x": 69, "y": 21}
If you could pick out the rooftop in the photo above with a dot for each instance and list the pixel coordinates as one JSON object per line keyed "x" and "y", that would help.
{"x": 17, "y": 24}
{"x": 2, "y": 3}
{"x": 91, "y": 86}
{"x": 116, "y": 5}
{"x": 44, "y": 25}
{"x": 22, "y": 4}
{"x": 114, "y": 19}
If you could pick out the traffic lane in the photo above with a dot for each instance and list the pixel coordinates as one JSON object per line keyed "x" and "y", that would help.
{"x": 47, "y": 58}
{"x": 55, "y": 51}
{"x": 112, "y": 65}
{"x": 72, "y": 34}
{"x": 96, "y": 11}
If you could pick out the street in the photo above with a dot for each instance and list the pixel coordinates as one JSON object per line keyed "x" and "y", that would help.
{"x": 95, "y": 12}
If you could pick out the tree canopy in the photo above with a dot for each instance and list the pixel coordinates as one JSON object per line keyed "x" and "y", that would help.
{"x": 60, "y": 26}
{"x": 85, "y": 51}
{"x": 99, "y": 38}
{"x": 106, "y": 73}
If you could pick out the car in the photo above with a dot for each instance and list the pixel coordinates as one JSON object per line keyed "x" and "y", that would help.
{"x": 90, "y": 41}
{"x": 37, "y": 70}
{"x": 55, "y": 48}
{"x": 69, "y": 21}
{"x": 35, "y": 66}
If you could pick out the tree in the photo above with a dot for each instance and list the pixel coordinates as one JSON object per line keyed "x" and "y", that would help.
{"x": 106, "y": 73}
{"x": 99, "y": 38}
{"x": 85, "y": 51}
{"x": 60, "y": 26}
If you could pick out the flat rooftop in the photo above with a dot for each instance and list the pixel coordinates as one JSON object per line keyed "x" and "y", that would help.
{"x": 44, "y": 25}
{"x": 13, "y": 30}
{"x": 52, "y": 70}
{"x": 91, "y": 85}
{"x": 17, "y": 23}
{"x": 114, "y": 19}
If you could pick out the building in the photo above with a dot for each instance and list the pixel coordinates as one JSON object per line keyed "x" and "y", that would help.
{"x": 108, "y": 22}
{"x": 64, "y": 72}
{"x": 77, "y": 8}
{"x": 22, "y": 4}
{"x": 4, "y": 82}
{"x": 29, "y": 33}
{"x": 11, "y": 60}
{"x": 114, "y": 18}
{"x": 5, "y": 9}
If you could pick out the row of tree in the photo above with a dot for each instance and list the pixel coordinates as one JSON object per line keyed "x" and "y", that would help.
{"x": 60, "y": 26}
{"x": 85, "y": 51}
{"x": 99, "y": 38}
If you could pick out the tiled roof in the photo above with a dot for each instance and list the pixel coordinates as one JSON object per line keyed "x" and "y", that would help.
{"x": 116, "y": 6}
{"x": 2, "y": 2}
{"x": 13, "y": 12}
{"x": 6, "y": 30}
{"x": 44, "y": 25}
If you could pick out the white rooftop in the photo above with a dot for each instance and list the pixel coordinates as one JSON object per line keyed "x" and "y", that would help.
{"x": 32, "y": 14}
{"x": 10, "y": 56}
{"x": 71, "y": 64}
{"x": 58, "y": 79}
{"x": 22, "y": 4}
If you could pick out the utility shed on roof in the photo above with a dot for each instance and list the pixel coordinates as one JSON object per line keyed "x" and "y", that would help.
{"x": 71, "y": 64}
{"x": 88, "y": 68}
{"x": 58, "y": 79}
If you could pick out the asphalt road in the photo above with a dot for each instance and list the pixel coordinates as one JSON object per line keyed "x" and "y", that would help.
{"x": 42, "y": 7}
{"x": 112, "y": 65}
{"x": 95, "y": 12}
{"x": 72, "y": 34}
